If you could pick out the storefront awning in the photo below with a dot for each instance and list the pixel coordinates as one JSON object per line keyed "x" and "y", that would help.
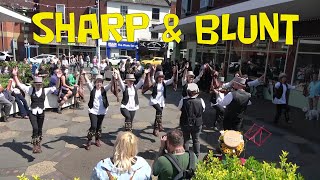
{"x": 307, "y": 9}
{"x": 7, "y": 15}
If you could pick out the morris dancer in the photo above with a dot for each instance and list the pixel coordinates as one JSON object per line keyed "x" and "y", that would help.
{"x": 98, "y": 107}
{"x": 236, "y": 103}
{"x": 130, "y": 100}
{"x": 36, "y": 115}
{"x": 157, "y": 99}
{"x": 189, "y": 77}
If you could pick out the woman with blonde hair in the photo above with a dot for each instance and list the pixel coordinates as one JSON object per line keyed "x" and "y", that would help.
{"x": 124, "y": 164}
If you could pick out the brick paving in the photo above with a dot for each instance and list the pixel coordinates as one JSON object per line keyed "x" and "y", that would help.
{"x": 63, "y": 151}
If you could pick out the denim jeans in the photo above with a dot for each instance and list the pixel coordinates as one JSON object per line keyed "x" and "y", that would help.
{"x": 194, "y": 131}
{"x": 22, "y": 104}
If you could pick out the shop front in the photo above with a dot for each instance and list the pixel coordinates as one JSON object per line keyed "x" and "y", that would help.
{"x": 122, "y": 48}
{"x": 149, "y": 49}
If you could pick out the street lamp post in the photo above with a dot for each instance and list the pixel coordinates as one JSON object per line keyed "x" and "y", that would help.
{"x": 98, "y": 40}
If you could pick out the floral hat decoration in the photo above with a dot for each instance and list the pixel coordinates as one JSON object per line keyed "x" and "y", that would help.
{"x": 231, "y": 142}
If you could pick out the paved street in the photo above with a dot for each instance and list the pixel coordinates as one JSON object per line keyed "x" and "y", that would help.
{"x": 64, "y": 157}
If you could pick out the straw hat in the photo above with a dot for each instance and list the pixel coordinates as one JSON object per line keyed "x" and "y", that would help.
{"x": 231, "y": 142}
{"x": 193, "y": 87}
{"x": 159, "y": 74}
{"x": 99, "y": 77}
{"x": 130, "y": 77}
{"x": 281, "y": 75}
{"x": 240, "y": 81}
{"x": 37, "y": 80}
{"x": 190, "y": 73}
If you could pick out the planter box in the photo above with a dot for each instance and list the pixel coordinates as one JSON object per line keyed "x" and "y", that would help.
{"x": 50, "y": 103}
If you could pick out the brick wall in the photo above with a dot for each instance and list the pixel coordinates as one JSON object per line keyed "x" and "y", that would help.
{"x": 69, "y": 3}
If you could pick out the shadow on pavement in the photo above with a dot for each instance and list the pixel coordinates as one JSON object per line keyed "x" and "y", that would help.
{"x": 18, "y": 147}
{"x": 73, "y": 140}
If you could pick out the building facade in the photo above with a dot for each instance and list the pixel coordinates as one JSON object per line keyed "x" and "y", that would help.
{"x": 15, "y": 27}
{"x": 66, "y": 7}
{"x": 298, "y": 61}
{"x": 145, "y": 43}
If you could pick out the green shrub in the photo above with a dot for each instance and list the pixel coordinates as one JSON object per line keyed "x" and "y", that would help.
{"x": 231, "y": 168}
{"x": 25, "y": 74}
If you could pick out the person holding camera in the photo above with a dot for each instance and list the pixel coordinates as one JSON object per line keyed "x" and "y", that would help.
{"x": 191, "y": 122}
{"x": 172, "y": 161}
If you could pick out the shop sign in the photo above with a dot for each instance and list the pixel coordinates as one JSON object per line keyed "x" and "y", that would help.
{"x": 153, "y": 45}
{"x": 122, "y": 45}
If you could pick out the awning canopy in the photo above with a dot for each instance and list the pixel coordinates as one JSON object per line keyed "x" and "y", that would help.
{"x": 306, "y": 9}
{"x": 7, "y": 15}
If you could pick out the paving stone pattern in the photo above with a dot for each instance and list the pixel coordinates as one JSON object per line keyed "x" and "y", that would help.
{"x": 64, "y": 157}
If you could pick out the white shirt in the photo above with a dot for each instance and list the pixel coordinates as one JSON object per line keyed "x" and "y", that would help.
{"x": 103, "y": 66}
{"x": 226, "y": 100}
{"x": 202, "y": 102}
{"x": 13, "y": 87}
{"x": 65, "y": 62}
{"x": 131, "y": 106}
{"x": 195, "y": 80}
{"x": 254, "y": 83}
{"x": 283, "y": 99}
{"x": 81, "y": 61}
{"x": 221, "y": 96}
{"x": 160, "y": 90}
{"x": 29, "y": 89}
{"x": 98, "y": 107}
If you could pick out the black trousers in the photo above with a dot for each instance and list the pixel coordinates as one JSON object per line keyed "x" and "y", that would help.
{"x": 219, "y": 114}
{"x": 96, "y": 122}
{"x": 128, "y": 115}
{"x": 158, "y": 109}
{"x": 279, "y": 108}
{"x": 36, "y": 123}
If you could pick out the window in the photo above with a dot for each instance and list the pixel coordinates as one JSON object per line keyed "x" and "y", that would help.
{"x": 155, "y": 13}
{"x": 62, "y": 9}
{"x": 186, "y": 7}
{"x": 123, "y": 30}
{"x": 154, "y": 35}
{"x": 203, "y": 3}
{"x": 123, "y": 10}
{"x": 307, "y": 61}
{"x": 123, "y": 52}
{"x": 92, "y": 10}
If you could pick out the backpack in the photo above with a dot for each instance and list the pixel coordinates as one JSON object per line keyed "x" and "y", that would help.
{"x": 183, "y": 174}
